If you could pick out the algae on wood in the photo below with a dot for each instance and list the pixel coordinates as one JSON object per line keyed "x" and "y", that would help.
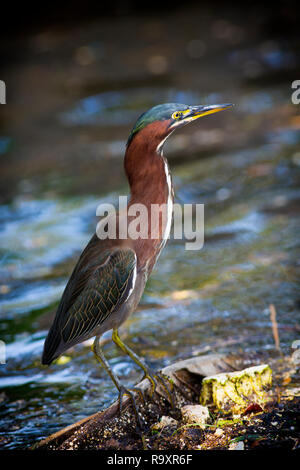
{"x": 235, "y": 390}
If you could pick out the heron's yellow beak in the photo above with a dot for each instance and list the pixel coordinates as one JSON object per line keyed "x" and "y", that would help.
{"x": 196, "y": 112}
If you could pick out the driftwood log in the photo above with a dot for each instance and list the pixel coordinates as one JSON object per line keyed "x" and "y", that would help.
{"x": 186, "y": 376}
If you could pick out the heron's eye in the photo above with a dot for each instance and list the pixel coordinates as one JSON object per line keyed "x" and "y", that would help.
{"x": 176, "y": 115}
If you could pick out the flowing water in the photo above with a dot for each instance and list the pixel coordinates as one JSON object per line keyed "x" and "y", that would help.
{"x": 75, "y": 96}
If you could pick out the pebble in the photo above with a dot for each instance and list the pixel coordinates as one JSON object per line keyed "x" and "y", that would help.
{"x": 237, "y": 446}
{"x": 166, "y": 421}
{"x": 195, "y": 414}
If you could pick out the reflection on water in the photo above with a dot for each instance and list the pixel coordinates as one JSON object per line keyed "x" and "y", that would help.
{"x": 244, "y": 166}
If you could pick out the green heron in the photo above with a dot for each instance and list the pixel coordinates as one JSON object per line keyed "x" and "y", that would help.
{"x": 110, "y": 276}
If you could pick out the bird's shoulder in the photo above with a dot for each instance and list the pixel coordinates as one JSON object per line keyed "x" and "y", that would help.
{"x": 100, "y": 261}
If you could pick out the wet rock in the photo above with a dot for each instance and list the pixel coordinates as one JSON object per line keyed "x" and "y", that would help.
{"x": 18, "y": 404}
{"x": 3, "y": 397}
{"x": 195, "y": 414}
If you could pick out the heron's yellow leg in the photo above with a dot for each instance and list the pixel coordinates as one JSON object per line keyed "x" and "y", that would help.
{"x": 152, "y": 377}
{"x": 96, "y": 348}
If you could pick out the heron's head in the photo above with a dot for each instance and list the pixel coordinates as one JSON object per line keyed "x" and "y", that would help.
{"x": 160, "y": 121}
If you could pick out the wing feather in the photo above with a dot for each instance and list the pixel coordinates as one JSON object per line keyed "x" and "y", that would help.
{"x": 98, "y": 286}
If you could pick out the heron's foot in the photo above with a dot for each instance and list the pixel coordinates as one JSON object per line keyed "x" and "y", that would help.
{"x": 130, "y": 392}
{"x": 156, "y": 378}
{"x": 153, "y": 377}
{"x": 141, "y": 394}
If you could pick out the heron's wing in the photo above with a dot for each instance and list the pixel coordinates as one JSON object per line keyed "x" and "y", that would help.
{"x": 97, "y": 287}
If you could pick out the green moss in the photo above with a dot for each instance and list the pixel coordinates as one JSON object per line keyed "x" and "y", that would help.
{"x": 233, "y": 391}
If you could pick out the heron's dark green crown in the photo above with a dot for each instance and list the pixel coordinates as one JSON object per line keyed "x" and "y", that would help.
{"x": 160, "y": 112}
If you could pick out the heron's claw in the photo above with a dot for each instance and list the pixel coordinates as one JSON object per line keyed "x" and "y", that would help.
{"x": 141, "y": 394}
{"x": 155, "y": 378}
{"x": 130, "y": 392}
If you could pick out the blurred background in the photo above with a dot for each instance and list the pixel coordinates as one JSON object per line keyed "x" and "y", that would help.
{"x": 77, "y": 77}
